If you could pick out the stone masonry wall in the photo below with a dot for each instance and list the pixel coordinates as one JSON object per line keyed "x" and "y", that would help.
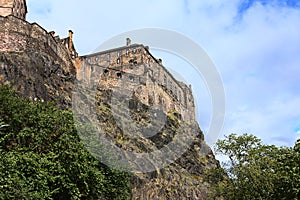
{"x": 16, "y": 35}
{"x": 133, "y": 68}
{"x": 16, "y": 8}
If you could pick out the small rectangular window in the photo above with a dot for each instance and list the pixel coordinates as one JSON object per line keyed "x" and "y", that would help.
{"x": 165, "y": 80}
{"x": 108, "y": 58}
{"x": 119, "y": 74}
{"x": 131, "y": 78}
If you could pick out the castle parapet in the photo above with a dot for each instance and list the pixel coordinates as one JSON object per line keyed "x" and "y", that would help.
{"x": 16, "y": 35}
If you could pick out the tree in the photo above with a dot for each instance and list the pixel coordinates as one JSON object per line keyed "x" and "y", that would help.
{"x": 256, "y": 170}
{"x": 41, "y": 156}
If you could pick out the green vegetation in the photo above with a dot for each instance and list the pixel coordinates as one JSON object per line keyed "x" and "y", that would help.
{"x": 41, "y": 156}
{"x": 256, "y": 170}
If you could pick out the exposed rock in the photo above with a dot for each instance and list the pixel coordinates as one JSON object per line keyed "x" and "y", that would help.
{"x": 37, "y": 75}
{"x": 38, "y": 67}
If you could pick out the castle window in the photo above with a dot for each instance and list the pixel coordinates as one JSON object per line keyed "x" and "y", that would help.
{"x": 134, "y": 50}
{"x": 119, "y": 74}
{"x": 118, "y": 60}
{"x": 119, "y": 54}
{"x": 151, "y": 100}
{"x": 108, "y": 57}
{"x": 165, "y": 80}
{"x": 96, "y": 59}
{"x": 131, "y": 78}
{"x": 175, "y": 92}
{"x": 179, "y": 96}
{"x": 127, "y": 52}
{"x": 105, "y": 72}
{"x": 159, "y": 99}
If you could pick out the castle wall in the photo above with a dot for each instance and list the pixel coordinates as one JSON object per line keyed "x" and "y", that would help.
{"x": 16, "y": 8}
{"x": 5, "y": 11}
{"x": 16, "y": 35}
{"x": 133, "y": 68}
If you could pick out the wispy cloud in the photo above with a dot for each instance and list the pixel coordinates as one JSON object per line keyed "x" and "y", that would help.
{"x": 41, "y": 8}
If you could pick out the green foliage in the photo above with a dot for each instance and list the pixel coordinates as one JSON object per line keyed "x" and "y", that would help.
{"x": 41, "y": 156}
{"x": 256, "y": 170}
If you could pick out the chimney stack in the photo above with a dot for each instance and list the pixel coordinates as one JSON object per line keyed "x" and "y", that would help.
{"x": 71, "y": 34}
{"x": 160, "y": 61}
{"x": 52, "y": 33}
{"x": 128, "y": 41}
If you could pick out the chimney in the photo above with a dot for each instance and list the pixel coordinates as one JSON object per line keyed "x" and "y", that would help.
{"x": 71, "y": 34}
{"x": 52, "y": 33}
{"x": 159, "y": 61}
{"x": 128, "y": 41}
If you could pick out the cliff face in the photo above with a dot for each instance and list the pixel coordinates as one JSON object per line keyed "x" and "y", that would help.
{"x": 182, "y": 179}
{"x": 37, "y": 75}
{"x": 39, "y": 68}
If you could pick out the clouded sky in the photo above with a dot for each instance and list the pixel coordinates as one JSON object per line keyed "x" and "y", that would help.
{"x": 255, "y": 45}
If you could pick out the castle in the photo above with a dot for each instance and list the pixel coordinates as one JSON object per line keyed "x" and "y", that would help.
{"x": 132, "y": 65}
{"x": 23, "y": 34}
{"x": 41, "y": 66}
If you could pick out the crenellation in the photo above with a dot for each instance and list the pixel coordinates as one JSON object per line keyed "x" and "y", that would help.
{"x": 16, "y": 35}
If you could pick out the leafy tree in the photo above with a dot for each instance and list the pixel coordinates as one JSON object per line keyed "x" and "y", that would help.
{"x": 41, "y": 156}
{"x": 256, "y": 170}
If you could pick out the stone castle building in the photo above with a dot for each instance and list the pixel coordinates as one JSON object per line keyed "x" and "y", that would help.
{"x": 132, "y": 66}
{"x": 23, "y": 34}
{"x": 40, "y": 65}
{"x": 15, "y": 8}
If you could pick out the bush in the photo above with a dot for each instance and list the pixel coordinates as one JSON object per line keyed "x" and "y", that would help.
{"x": 41, "y": 156}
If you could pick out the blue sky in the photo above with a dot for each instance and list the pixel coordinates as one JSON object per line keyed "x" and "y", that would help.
{"x": 254, "y": 44}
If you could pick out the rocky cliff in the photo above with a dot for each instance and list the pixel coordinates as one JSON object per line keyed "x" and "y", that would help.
{"x": 38, "y": 72}
{"x": 34, "y": 63}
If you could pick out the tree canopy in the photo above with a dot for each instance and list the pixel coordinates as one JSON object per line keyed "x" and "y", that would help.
{"x": 41, "y": 156}
{"x": 256, "y": 170}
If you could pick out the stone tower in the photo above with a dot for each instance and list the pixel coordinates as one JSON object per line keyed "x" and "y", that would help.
{"x": 16, "y": 8}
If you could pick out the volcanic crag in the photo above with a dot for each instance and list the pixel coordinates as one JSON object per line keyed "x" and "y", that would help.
{"x": 42, "y": 66}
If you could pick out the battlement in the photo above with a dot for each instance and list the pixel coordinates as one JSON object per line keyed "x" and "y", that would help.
{"x": 16, "y": 35}
{"x": 133, "y": 67}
